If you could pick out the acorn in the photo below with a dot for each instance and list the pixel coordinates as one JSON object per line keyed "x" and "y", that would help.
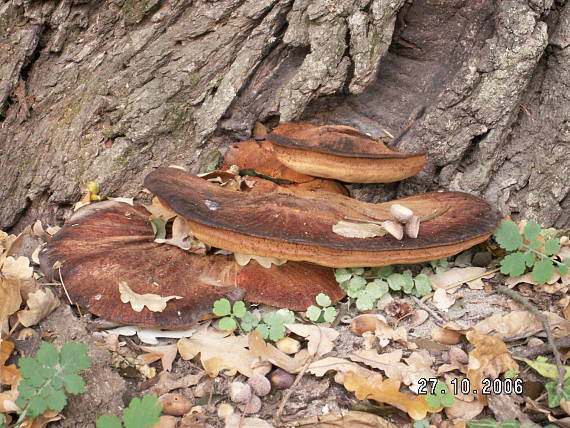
{"x": 240, "y": 392}
{"x": 445, "y": 336}
{"x": 260, "y": 385}
{"x": 225, "y": 410}
{"x": 252, "y": 406}
{"x": 365, "y": 323}
{"x": 288, "y": 345}
{"x": 280, "y": 379}
{"x": 175, "y": 404}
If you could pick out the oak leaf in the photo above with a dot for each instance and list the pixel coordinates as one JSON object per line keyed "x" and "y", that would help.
{"x": 267, "y": 352}
{"x": 387, "y": 391}
{"x": 153, "y": 302}
{"x": 40, "y": 303}
{"x": 320, "y": 338}
{"x": 166, "y": 354}
{"x": 10, "y": 298}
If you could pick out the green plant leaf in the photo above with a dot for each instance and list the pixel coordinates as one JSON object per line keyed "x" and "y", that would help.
{"x": 423, "y": 285}
{"x": 74, "y": 384}
{"x": 424, "y": 423}
{"x": 239, "y": 309}
{"x": 396, "y": 281}
{"x": 513, "y": 264}
{"x": 543, "y": 270}
{"x": 263, "y": 329}
{"x": 227, "y": 323}
{"x": 563, "y": 269}
{"x": 383, "y": 271}
{"x": 433, "y": 401}
{"x": 36, "y": 406}
{"x": 108, "y": 421}
{"x": 531, "y": 230}
{"x": 56, "y": 400}
{"x": 377, "y": 288}
{"x": 553, "y": 396}
{"x": 276, "y": 331}
{"x": 249, "y": 321}
{"x": 142, "y": 413}
{"x": 545, "y": 369}
{"x": 329, "y": 314}
{"x": 408, "y": 285}
{"x": 552, "y": 246}
{"x": 48, "y": 355}
{"x": 356, "y": 283}
{"x": 73, "y": 357}
{"x": 529, "y": 258}
{"x": 222, "y": 307}
{"x": 364, "y": 302}
{"x": 323, "y": 300}
{"x": 342, "y": 275}
{"x": 313, "y": 313}
{"x": 507, "y": 235}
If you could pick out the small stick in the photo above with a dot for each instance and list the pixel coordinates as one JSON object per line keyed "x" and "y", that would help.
{"x": 463, "y": 281}
{"x": 535, "y": 351}
{"x": 67, "y": 294}
{"x": 438, "y": 319}
{"x": 289, "y": 392}
{"x": 546, "y": 326}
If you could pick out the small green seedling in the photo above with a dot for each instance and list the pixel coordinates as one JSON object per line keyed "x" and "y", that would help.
{"x": 223, "y": 308}
{"x": 441, "y": 396}
{"x": 422, "y": 423}
{"x": 140, "y": 414}
{"x": 273, "y": 325}
{"x": 554, "y": 396}
{"x": 526, "y": 251}
{"x": 48, "y": 376}
{"x": 439, "y": 265}
{"x": 418, "y": 286}
{"x": 324, "y": 313}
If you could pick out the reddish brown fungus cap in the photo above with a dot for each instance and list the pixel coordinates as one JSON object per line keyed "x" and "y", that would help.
{"x": 282, "y": 223}
{"x": 108, "y": 242}
{"x": 341, "y": 152}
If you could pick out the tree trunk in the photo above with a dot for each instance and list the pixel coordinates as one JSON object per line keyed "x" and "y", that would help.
{"x": 106, "y": 91}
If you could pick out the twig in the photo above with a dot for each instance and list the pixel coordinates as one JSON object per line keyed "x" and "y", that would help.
{"x": 67, "y": 294}
{"x": 461, "y": 282}
{"x": 546, "y": 326}
{"x": 535, "y": 351}
{"x": 291, "y": 389}
{"x": 438, "y": 319}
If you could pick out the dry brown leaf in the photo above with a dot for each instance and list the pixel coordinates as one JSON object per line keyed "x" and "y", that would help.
{"x": 464, "y": 410}
{"x": 489, "y": 359}
{"x": 219, "y": 350}
{"x": 565, "y": 405}
{"x": 10, "y": 298}
{"x": 386, "y": 334}
{"x": 153, "y": 302}
{"x": 8, "y": 401}
{"x": 387, "y": 391}
{"x": 18, "y": 268}
{"x": 320, "y": 338}
{"x": 459, "y": 276}
{"x": 236, "y": 421}
{"x": 358, "y": 230}
{"x": 266, "y": 262}
{"x": 267, "y": 352}
{"x": 166, "y": 354}
{"x": 40, "y": 304}
{"x": 259, "y": 131}
{"x": 9, "y": 375}
{"x": 345, "y": 419}
{"x": 442, "y": 300}
{"x": 340, "y": 365}
{"x": 42, "y": 420}
{"x": 166, "y": 382}
{"x": 522, "y": 324}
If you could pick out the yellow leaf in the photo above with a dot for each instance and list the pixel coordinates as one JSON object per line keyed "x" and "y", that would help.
{"x": 320, "y": 338}
{"x": 17, "y": 268}
{"x": 387, "y": 391}
{"x": 10, "y": 298}
{"x": 153, "y": 302}
{"x": 40, "y": 304}
{"x": 9, "y": 375}
{"x": 166, "y": 354}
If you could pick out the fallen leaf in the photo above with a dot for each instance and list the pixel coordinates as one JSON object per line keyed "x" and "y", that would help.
{"x": 166, "y": 354}
{"x": 160, "y": 210}
{"x": 522, "y": 324}
{"x": 9, "y": 375}
{"x": 266, "y": 262}
{"x": 40, "y": 304}
{"x": 166, "y": 382}
{"x": 151, "y": 335}
{"x": 387, "y": 391}
{"x": 340, "y": 365}
{"x": 460, "y": 276}
{"x": 358, "y": 230}
{"x": 267, "y": 352}
{"x": 489, "y": 359}
{"x": 464, "y": 410}
{"x": 10, "y": 298}
{"x": 259, "y": 131}
{"x": 236, "y": 421}
{"x": 547, "y": 370}
{"x": 320, "y": 338}
{"x": 17, "y": 268}
{"x": 219, "y": 350}
{"x": 8, "y": 401}
{"x": 153, "y": 302}
{"x": 183, "y": 238}
{"x": 442, "y": 300}
{"x": 345, "y": 418}
{"x": 386, "y": 334}
{"x": 43, "y": 420}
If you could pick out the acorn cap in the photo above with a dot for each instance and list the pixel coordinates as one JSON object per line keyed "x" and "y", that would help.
{"x": 283, "y": 224}
{"x": 108, "y": 242}
{"x": 341, "y": 152}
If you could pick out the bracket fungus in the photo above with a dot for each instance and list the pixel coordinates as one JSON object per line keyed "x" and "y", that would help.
{"x": 109, "y": 242}
{"x": 285, "y": 224}
{"x": 341, "y": 152}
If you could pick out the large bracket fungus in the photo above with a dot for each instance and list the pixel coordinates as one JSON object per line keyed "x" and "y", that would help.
{"x": 341, "y": 152}
{"x": 299, "y": 226}
{"x": 109, "y": 242}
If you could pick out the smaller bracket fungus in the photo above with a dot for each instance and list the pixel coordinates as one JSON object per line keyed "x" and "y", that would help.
{"x": 106, "y": 243}
{"x": 341, "y": 152}
{"x": 284, "y": 224}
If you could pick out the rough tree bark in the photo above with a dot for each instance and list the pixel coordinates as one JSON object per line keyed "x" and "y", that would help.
{"x": 109, "y": 90}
